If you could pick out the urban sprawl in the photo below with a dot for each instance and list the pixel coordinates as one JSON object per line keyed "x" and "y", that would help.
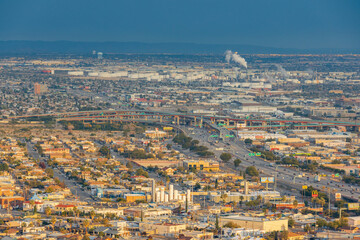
{"x": 188, "y": 147}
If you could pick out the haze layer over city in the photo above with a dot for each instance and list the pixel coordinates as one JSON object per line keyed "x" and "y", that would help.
{"x": 179, "y": 120}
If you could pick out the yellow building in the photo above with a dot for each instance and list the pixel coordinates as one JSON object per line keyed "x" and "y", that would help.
{"x": 202, "y": 165}
{"x": 134, "y": 197}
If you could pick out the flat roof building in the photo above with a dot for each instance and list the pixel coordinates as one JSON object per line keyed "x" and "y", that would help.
{"x": 261, "y": 223}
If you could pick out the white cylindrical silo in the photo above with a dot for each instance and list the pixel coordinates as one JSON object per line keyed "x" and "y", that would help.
{"x": 176, "y": 194}
{"x": 171, "y": 192}
{"x": 162, "y": 195}
{"x": 157, "y": 196}
{"x": 166, "y": 199}
{"x": 188, "y": 195}
{"x": 183, "y": 197}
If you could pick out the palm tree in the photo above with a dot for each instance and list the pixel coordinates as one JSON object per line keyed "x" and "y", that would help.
{"x": 223, "y": 197}
{"x": 53, "y": 221}
{"x": 92, "y": 214}
{"x": 295, "y": 203}
{"x": 86, "y": 224}
{"x": 47, "y": 211}
{"x": 241, "y": 200}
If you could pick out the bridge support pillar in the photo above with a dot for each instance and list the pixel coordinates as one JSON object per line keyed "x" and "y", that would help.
{"x": 195, "y": 123}
{"x": 161, "y": 119}
{"x": 201, "y": 122}
{"x": 227, "y": 122}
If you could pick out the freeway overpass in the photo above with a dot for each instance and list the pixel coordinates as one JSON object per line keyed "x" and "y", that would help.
{"x": 228, "y": 122}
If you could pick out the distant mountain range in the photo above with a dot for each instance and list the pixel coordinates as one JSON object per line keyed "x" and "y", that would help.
{"x": 70, "y": 47}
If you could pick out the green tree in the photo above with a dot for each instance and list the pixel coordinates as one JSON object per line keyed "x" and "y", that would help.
{"x": 49, "y": 172}
{"x": 252, "y": 171}
{"x": 248, "y": 141}
{"x": 217, "y": 226}
{"x": 129, "y": 165}
{"x": 237, "y": 162}
{"x": 105, "y": 151}
{"x": 231, "y": 225}
{"x": 291, "y": 222}
{"x": 225, "y": 157}
{"x": 141, "y": 172}
{"x": 4, "y": 167}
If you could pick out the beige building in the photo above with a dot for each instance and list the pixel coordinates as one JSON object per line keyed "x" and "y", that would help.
{"x": 162, "y": 228}
{"x": 260, "y": 223}
{"x": 354, "y": 221}
{"x": 155, "y": 134}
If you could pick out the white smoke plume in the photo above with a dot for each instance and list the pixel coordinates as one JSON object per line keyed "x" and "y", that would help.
{"x": 268, "y": 77}
{"x": 282, "y": 70}
{"x": 229, "y": 55}
{"x": 310, "y": 72}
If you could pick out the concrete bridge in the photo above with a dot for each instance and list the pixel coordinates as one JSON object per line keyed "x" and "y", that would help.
{"x": 228, "y": 122}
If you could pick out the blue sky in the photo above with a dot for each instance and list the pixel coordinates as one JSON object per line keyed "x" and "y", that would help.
{"x": 274, "y": 23}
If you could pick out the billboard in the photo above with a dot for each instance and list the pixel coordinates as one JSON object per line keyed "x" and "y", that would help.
{"x": 337, "y": 196}
{"x": 353, "y": 206}
{"x": 314, "y": 194}
{"x": 267, "y": 179}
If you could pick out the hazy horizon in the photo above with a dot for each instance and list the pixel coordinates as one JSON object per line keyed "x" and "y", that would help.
{"x": 278, "y": 24}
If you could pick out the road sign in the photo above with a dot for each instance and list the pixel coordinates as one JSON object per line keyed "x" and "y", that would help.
{"x": 167, "y": 128}
{"x": 337, "y": 196}
{"x": 267, "y": 179}
{"x": 304, "y": 187}
{"x": 214, "y": 135}
{"x": 314, "y": 194}
{"x": 254, "y": 154}
{"x": 337, "y": 175}
{"x": 229, "y": 136}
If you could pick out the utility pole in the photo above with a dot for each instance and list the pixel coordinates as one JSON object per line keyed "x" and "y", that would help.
{"x": 340, "y": 209}
{"x": 329, "y": 200}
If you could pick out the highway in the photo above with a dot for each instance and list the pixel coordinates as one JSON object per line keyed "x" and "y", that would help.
{"x": 286, "y": 176}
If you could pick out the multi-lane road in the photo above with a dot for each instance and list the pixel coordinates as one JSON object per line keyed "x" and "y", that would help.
{"x": 74, "y": 187}
{"x": 285, "y": 176}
